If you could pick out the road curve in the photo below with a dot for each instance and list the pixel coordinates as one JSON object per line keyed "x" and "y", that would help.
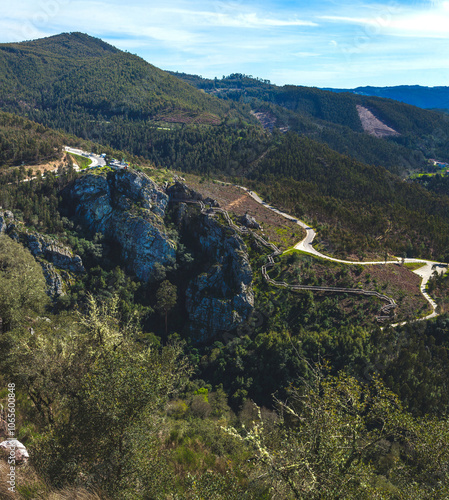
{"x": 95, "y": 160}
{"x": 428, "y": 268}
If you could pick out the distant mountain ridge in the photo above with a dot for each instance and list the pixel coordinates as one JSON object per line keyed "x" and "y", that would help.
{"x": 332, "y": 118}
{"x": 416, "y": 95}
{"x": 86, "y": 87}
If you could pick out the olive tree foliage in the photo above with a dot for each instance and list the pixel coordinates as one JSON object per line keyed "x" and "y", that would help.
{"x": 22, "y": 283}
{"x": 100, "y": 394}
{"x": 337, "y": 438}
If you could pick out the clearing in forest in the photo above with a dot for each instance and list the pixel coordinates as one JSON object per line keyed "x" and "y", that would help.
{"x": 373, "y": 125}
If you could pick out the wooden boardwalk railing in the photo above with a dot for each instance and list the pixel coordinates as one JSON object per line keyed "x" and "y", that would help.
{"x": 385, "y": 310}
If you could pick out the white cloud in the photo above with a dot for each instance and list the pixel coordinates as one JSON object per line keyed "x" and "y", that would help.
{"x": 305, "y": 54}
{"x": 431, "y": 22}
{"x": 268, "y": 39}
{"x": 242, "y": 20}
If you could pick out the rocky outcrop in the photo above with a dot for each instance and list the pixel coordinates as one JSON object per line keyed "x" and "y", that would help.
{"x": 6, "y": 219}
{"x": 212, "y": 202}
{"x": 52, "y": 251}
{"x": 221, "y": 298}
{"x": 15, "y": 451}
{"x": 250, "y": 222}
{"x": 128, "y": 207}
{"x": 57, "y": 260}
{"x": 138, "y": 188}
{"x": 181, "y": 192}
{"x": 55, "y": 283}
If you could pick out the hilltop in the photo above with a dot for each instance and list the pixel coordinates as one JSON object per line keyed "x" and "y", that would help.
{"x": 88, "y": 88}
{"x": 91, "y": 80}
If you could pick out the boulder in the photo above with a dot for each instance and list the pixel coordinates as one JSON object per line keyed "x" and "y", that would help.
{"x": 181, "y": 192}
{"x": 14, "y": 449}
{"x": 249, "y": 222}
{"x": 213, "y": 203}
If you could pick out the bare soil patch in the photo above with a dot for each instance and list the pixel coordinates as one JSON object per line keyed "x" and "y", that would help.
{"x": 276, "y": 228}
{"x": 50, "y": 166}
{"x": 373, "y": 125}
{"x": 267, "y": 120}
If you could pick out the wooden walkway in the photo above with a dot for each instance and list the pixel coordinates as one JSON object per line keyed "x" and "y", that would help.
{"x": 385, "y": 310}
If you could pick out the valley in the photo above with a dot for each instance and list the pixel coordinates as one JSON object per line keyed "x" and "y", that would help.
{"x": 218, "y": 288}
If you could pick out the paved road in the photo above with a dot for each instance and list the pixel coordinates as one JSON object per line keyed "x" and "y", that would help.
{"x": 428, "y": 268}
{"x": 96, "y": 160}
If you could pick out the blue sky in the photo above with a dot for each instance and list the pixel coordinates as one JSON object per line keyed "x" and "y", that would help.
{"x": 326, "y": 43}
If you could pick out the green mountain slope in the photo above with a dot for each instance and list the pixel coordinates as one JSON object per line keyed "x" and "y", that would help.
{"x": 359, "y": 208}
{"x": 332, "y": 118}
{"x": 22, "y": 141}
{"x": 27, "y": 143}
{"x": 92, "y": 90}
{"x": 85, "y": 75}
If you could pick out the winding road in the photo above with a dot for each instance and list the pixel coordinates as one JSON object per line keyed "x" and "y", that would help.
{"x": 426, "y": 271}
{"x": 96, "y": 160}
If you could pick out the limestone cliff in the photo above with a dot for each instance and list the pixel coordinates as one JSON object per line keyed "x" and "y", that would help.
{"x": 128, "y": 207}
{"x": 51, "y": 250}
{"x": 220, "y": 298}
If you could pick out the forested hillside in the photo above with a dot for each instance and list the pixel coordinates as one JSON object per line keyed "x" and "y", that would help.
{"x": 358, "y": 207}
{"x": 80, "y": 73}
{"x": 22, "y": 141}
{"x": 90, "y": 89}
{"x": 148, "y": 352}
{"x": 332, "y": 118}
{"x": 102, "y": 385}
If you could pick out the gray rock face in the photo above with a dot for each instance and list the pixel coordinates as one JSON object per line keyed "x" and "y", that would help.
{"x": 128, "y": 207}
{"x": 179, "y": 191}
{"x": 54, "y": 257}
{"x": 212, "y": 202}
{"x": 6, "y": 219}
{"x": 249, "y": 222}
{"x": 221, "y": 298}
{"x": 55, "y": 284}
{"x": 137, "y": 187}
{"x": 59, "y": 255}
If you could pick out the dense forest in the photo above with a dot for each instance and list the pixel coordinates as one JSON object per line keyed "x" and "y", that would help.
{"x": 117, "y": 395}
{"x": 332, "y": 119}
{"x": 25, "y": 142}
{"x": 96, "y": 92}
{"x": 111, "y": 402}
{"x": 359, "y": 208}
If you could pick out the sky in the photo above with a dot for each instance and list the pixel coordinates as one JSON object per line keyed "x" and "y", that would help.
{"x": 322, "y": 43}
